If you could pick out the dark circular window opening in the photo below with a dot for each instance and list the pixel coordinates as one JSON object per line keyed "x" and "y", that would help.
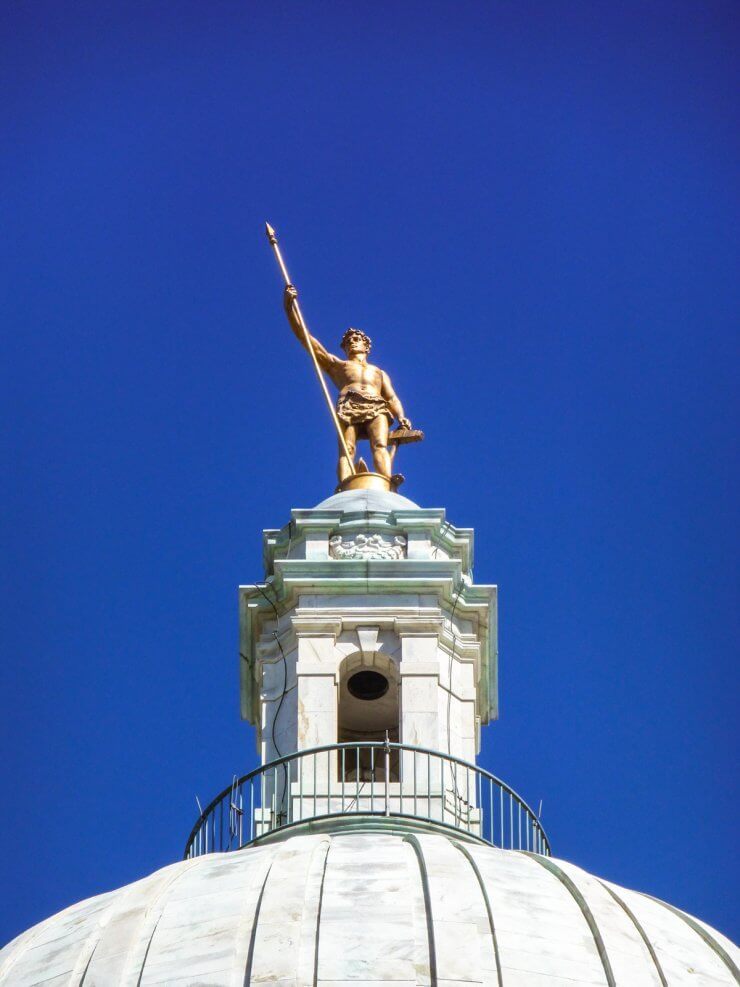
{"x": 367, "y": 685}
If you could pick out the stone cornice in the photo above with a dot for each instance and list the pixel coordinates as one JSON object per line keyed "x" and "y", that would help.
{"x": 421, "y": 625}
{"x": 429, "y": 522}
{"x": 315, "y": 624}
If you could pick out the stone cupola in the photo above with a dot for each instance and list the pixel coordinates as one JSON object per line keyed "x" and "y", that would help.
{"x": 368, "y": 593}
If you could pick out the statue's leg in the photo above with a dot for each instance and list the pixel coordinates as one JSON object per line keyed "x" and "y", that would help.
{"x": 344, "y": 469}
{"x": 377, "y": 432}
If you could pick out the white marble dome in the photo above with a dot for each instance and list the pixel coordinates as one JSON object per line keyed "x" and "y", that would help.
{"x": 371, "y": 908}
{"x": 366, "y": 500}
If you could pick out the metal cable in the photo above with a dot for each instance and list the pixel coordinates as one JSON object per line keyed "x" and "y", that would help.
{"x": 285, "y": 685}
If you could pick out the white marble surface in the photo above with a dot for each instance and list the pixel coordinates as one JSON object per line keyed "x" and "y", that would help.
{"x": 423, "y": 596}
{"x": 351, "y": 908}
{"x": 366, "y": 500}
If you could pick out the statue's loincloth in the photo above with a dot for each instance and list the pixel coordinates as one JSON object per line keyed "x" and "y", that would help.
{"x": 358, "y": 409}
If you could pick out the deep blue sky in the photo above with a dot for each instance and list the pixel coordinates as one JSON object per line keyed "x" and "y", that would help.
{"x": 533, "y": 209}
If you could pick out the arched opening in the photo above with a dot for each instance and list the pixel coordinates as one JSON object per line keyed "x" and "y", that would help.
{"x": 368, "y": 711}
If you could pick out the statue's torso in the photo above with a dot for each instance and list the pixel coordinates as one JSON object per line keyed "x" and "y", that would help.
{"x": 360, "y": 377}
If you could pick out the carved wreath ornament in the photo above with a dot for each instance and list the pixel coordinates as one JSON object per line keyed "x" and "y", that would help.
{"x": 367, "y": 547}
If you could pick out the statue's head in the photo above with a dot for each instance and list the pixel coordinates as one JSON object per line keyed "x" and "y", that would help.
{"x": 355, "y": 341}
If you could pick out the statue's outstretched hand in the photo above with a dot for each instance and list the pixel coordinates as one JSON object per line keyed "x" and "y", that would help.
{"x": 404, "y": 422}
{"x": 290, "y": 296}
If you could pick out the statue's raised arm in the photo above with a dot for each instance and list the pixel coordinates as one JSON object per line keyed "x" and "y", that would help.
{"x": 326, "y": 360}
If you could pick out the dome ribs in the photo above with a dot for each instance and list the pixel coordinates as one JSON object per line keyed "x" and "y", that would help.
{"x": 253, "y": 933}
{"x": 284, "y": 937}
{"x": 371, "y": 906}
{"x": 633, "y": 959}
{"x": 560, "y": 874}
{"x": 16, "y": 951}
{"x": 701, "y": 931}
{"x": 459, "y": 916}
{"x": 413, "y": 842}
{"x": 685, "y": 956}
{"x": 541, "y": 933}
{"x": 308, "y": 950}
{"x": 54, "y": 946}
{"x": 643, "y": 935}
{"x": 481, "y": 883}
{"x": 367, "y": 928}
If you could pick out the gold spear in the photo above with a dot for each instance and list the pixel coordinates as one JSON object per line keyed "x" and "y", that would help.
{"x": 309, "y": 346}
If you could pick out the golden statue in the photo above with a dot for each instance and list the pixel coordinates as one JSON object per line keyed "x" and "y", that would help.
{"x": 367, "y": 404}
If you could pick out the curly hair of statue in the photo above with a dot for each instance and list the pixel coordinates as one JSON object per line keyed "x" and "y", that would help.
{"x": 355, "y": 332}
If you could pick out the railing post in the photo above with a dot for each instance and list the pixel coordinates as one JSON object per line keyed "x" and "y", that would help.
{"x": 387, "y": 773}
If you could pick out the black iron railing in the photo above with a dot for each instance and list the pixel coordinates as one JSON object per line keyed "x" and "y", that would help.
{"x": 377, "y": 779}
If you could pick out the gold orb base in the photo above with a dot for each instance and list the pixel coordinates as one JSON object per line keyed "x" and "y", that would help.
{"x": 371, "y": 481}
